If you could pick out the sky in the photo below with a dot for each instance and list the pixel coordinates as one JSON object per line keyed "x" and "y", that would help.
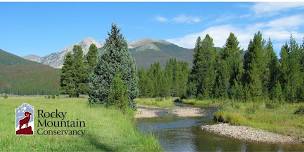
{"x": 44, "y": 28}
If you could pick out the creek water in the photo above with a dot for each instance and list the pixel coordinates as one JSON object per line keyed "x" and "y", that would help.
{"x": 185, "y": 135}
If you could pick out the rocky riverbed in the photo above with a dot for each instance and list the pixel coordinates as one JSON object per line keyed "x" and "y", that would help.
{"x": 180, "y": 111}
{"x": 248, "y": 133}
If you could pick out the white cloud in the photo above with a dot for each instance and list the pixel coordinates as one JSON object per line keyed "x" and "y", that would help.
{"x": 186, "y": 19}
{"x": 287, "y": 22}
{"x": 278, "y": 34}
{"x": 161, "y": 19}
{"x": 274, "y": 8}
{"x": 179, "y": 19}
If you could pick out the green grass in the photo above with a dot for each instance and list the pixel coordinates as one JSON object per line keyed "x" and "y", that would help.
{"x": 106, "y": 129}
{"x": 274, "y": 117}
{"x": 156, "y": 102}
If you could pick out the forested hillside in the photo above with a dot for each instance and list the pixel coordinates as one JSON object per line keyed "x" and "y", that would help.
{"x": 22, "y": 77}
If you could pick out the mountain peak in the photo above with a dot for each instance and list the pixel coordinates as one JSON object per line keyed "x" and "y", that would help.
{"x": 88, "y": 41}
{"x": 146, "y": 41}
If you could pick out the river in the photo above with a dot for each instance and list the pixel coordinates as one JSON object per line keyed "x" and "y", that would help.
{"x": 185, "y": 135}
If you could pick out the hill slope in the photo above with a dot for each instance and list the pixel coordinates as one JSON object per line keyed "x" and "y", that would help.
{"x": 24, "y": 77}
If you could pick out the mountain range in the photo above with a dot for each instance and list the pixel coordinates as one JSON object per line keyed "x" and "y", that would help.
{"x": 145, "y": 52}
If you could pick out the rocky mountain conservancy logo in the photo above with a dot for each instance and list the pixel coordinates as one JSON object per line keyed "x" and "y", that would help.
{"x": 24, "y": 124}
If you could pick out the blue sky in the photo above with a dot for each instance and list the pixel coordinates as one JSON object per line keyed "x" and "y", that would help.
{"x": 43, "y": 28}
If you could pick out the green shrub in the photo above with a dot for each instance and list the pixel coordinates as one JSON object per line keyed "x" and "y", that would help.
{"x": 5, "y": 96}
{"x": 300, "y": 110}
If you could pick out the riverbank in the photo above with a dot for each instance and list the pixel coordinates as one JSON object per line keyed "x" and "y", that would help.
{"x": 106, "y": 129}
{"x": 276, "y": 117}
{"x": 179, "y": 111}
{"x": 249, "y": 134}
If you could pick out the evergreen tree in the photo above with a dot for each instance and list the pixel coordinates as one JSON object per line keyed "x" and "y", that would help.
{"x": 91, "y": 58}
{"x": 271, "y": 74}
{"x": 160, "y": 81}
{"x": 145, "y": 84}
{"x": 67, "y": 85}
{"x": 291, "y": 79}
{"x": 193, "y": 76}
{"x": 118, "y": 93}
{"x": 221, "y": 83}
{"x": 232, "y": 63}
{"x": 115, "y": 59}
{"x": 254, "y": 66}
{"x": 202, "y": 75}
{"x": 177, "y": 74}
{"x": 79, "y": 71}
{"x": 181, "y": 78}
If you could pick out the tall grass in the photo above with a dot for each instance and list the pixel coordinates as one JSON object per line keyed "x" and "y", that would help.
{"x": 106, "y": 129}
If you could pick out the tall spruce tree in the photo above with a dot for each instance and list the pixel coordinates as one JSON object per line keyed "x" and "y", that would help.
{"x": 232, "y": 63}
{"x": 115, "y": 59}
{"x": 193, "y": 76}
{"x": 67, "y": 85}
{"x": 202, "y": 76}
{"x": 91, "y": 58}
{"x": 271, "y": 73}
{"x": 254, "y": 66}
{"x": 79, "y": 71}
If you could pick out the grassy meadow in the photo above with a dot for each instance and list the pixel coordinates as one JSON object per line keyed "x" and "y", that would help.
{"x": 106, "y": 129}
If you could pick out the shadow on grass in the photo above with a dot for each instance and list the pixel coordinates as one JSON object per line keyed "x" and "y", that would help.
{"x": 94, "y": 141}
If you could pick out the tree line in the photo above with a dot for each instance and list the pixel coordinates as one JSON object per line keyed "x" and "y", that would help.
{"x": 225, "y": 73}
{"x": 256, "y": 73}
{"x": 161, "y": 82}
{"x": 230, "y": 72}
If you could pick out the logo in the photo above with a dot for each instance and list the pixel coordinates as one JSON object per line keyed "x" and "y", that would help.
{"x": 24, "y": 124}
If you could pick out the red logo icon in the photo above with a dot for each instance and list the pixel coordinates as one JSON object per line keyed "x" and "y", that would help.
{"x": 25, "y": 120}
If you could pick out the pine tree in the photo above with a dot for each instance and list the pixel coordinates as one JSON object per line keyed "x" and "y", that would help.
{"x": 159, "y": 80}
{"x": 91, "y": 57}
{"x": 221, "y": 84}
{"x": 254, "y": 66}
{"x": 79, "y": 71}
{"x": 118, "y": 93}
{"x": 202, "y": 76}
{"x": 115, "y": 59}
{"x": 291, "y": 78}
{"x": 271, "y": 74}
{"x": 67, "y": 85}
{"x": 193, "y": 76}
{"x": 231, "y": 57}
{"x": 145, "y": 84}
